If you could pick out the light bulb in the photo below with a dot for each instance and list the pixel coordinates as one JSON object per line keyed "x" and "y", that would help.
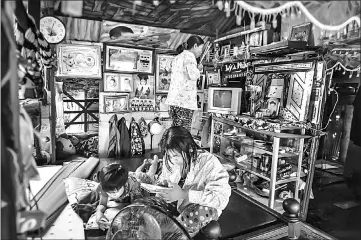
{"x": 138, "y": 2}
{"x": 220, "y": 4}
{"x": 226, "y": 5}
{"x": 172, "y": 1}
{"x": 155, "y": 2}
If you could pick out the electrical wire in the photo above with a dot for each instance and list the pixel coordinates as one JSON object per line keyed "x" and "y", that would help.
{"x": 334, "y": 107}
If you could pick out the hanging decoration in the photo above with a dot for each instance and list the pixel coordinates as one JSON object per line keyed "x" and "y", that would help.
{"x": 344, "y": 59}
{"x": 293, "y": 9}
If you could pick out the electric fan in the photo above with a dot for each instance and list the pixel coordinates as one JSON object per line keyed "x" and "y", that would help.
{"x": 147, "y": 218}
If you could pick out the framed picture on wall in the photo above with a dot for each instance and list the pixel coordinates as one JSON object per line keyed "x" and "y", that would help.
{"x": 83, "y": 61}
{"x": 225, "y": 50}
{"x": 143, "y": 86}
{"x": 114, "y": 103}
{"x": 213, "y": 77}
{"x": 163, "y": 72}
{"x": 160, "y": 105}
{"x": 302, "y": 32}
{"x": 132, "y": 60}
{"x": 111, "y": 82}
{"x": 201, "y": 82}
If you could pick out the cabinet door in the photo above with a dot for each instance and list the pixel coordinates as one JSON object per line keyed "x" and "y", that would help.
{"x": 298, "y": 96}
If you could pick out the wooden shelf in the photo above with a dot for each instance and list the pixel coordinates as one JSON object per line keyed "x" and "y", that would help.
{"x": 282, "y": 48}
{"x": 268, "y": 133}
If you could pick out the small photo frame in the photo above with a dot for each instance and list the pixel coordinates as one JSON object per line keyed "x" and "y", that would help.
{"x": 111, "y": 82}
{"x": 301, "y": 32}
{"x": 163, "y": 72}
{"x": 143, "y": 86}
{"x": 225, "y": 50}
{"x": 160, "y": 105}
{"x": 142, "y": 105}
{"x": 273, "y": 106}
{"x": 255, "y": 39}
{"x": 115, "y": 103}
{"x": 213, "y": 78}
{"x": 126, "y": 82}
{"x": 200, "y": 82}
{"x": 200, "y": 101}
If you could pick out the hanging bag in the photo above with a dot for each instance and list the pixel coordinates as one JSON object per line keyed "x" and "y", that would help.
{"x": 143, "y": 127}
{"x": 124, "y": 139}
{"x": 113, "y": 145}
{"x": 137, "y": 141}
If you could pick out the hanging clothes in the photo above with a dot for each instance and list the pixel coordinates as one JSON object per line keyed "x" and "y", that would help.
{"x": 11, "y": 165}
{"x": 143, "y": 126}
{"x": 123, "y": 140}
{"x": 34, "y": 52}
{"x": 137, "y": 141}
{"x": 113, "y": 132}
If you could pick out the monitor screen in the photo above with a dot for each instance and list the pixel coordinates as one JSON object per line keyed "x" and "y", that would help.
{"x": 222, "y": 98}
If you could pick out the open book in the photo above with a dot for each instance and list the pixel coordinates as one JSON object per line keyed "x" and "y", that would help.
{"x": 152, "y": 188}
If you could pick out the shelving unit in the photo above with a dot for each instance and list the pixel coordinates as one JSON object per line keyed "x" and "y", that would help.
{"x": 271, "y": 176}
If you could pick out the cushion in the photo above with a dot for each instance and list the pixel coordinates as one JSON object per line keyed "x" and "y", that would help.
{"x": 82, "y": 196}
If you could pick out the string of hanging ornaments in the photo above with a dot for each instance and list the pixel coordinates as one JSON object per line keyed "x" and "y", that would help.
{"x": 288, "y": 8}
{"x": 291, "y": 8}
{"x": 340, "y": 66}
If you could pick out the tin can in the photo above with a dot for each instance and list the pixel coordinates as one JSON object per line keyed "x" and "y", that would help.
{"x": 256, "y": 162}
{"x": 266, "y": 162}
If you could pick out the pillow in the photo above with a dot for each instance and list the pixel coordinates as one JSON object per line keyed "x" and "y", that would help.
{"x": 82, "y": 196}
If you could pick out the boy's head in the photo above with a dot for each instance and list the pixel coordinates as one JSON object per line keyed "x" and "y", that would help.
{"x": 112, "y": 179}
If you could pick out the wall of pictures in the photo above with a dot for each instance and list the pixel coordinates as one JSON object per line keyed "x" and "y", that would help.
{"x": 135, "y": 84}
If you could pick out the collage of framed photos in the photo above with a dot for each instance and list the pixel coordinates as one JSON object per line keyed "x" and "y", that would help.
{"x": 130, "y": 84}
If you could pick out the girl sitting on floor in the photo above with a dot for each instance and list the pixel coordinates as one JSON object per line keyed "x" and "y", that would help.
{"x": 196, "y": 179}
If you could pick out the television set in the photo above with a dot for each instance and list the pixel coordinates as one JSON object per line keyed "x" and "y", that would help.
{"x": 224, "y": 100}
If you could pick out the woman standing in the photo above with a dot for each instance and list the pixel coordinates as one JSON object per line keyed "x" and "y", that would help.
{"x": 182, "y": 95}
